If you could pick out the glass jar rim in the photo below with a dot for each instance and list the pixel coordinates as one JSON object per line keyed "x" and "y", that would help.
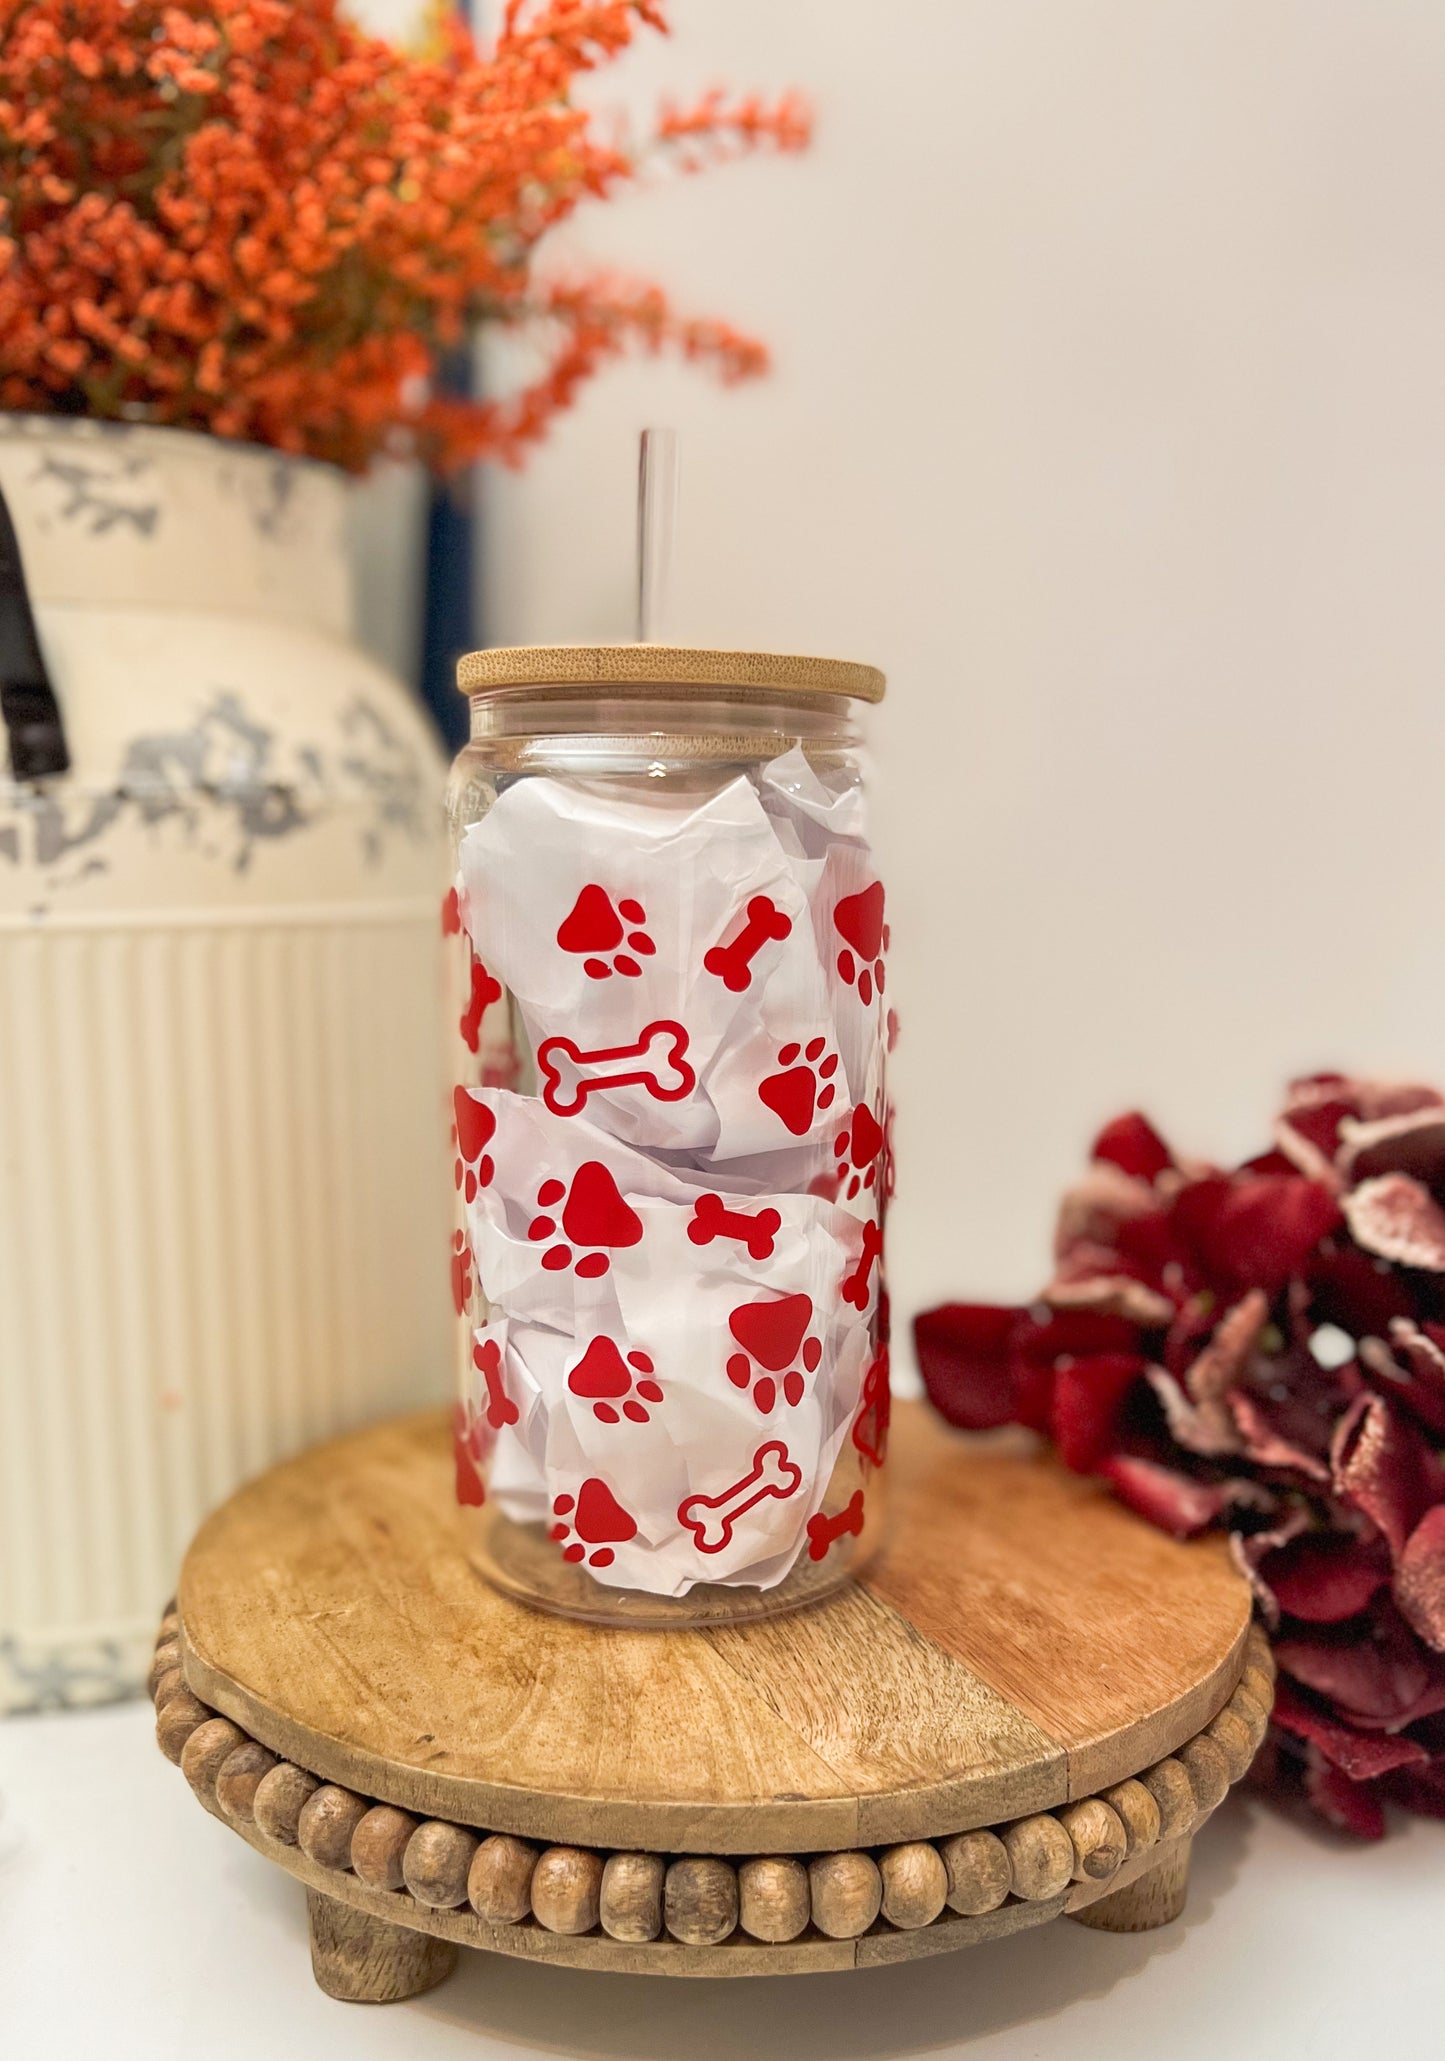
{"x": 648, "y": 668}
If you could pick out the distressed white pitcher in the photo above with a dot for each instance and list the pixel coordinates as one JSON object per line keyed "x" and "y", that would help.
{"x": 223, "y": 1208}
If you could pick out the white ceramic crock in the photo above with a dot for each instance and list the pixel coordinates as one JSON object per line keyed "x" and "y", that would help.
{"x": 222, "y": 1199}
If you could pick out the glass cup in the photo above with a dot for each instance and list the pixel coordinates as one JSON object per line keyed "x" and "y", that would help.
{"x": 672, "y": 1159}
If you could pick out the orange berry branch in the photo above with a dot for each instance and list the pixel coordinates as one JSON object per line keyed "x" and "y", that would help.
{"x": 250, "y": 217}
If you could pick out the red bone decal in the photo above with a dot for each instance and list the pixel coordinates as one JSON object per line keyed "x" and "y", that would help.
{"x": 733, "y": 963}
{"x": 822, "y": 1531}
{"x": 711, "y": 1218}
{"x": 710, "y": 1519}
{"x": 487, "y": 1359}
{"x": 655, "y": 1061}
{"x": 855, "y": 1285}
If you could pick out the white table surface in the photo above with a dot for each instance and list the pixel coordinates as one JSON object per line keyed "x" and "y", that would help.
{"x": 132, "y": 1924}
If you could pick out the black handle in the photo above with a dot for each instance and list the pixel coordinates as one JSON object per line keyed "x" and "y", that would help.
{"x": 27, "y": 699}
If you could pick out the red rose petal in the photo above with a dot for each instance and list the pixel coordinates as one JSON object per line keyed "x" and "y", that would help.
{"x": 1250, "y": 1551}
{"x": 1092, "y": 1210}
{"x": 1222, "y": 1363}
{"x": 1324, "y": 1576}
{"x": 1419, "y": 1585}
{"x": 1362, "y": 1680}
{"x": 1071, "y": 1334}
{"x": 1088, "y": 1396}
{"x": 1398, "y": 1219}
{"x": 1205, "y": 1428}
{"x": 1421, "y": 1790}
{"x": 1131, "y": 1143}
{"x": 1083, "y": 1281}
{"x": 1268, "y": 1445}
{"x": 1362, "y": 1755}
{"x": 963, "y": 1356}
{"x": 1361, "y": 1294}
{"x": 1150, "y": 1248}
{"x": 1410, "y": 1144}
{"x": 1309, "y": 1136}
{"x": 1172, "y": 1501}
{"x": 1254, "y": 1230}
{"x": 1381, "y": 1467}
{"x": 1352, "y": 1807}
{"x": 1421, "y": 1386}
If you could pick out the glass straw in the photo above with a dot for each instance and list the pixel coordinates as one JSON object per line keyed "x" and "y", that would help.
{"x": 656, "y": 529}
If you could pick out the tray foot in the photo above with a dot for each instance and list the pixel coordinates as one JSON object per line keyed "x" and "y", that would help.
{"x": 1155, "y": 1899}
{"x": 363, "y": 1960}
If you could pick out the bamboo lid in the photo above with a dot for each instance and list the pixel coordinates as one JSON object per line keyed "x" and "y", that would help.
{"x": 515, "y": 668}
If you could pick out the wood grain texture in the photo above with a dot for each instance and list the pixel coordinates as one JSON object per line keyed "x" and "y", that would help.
{"x": 363, "y": 1960}
{"x": 1116, "y": 1641}
{"x": 975, "y": 1674}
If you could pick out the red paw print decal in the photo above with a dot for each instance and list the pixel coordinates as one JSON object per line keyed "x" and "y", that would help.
{"x": 485, "y": 990}
{"x": 858, "y": 1149}
{"x": 605, "y": 1378}
{"x": 473, "y": 1127}
{"x": 597, "y": 927}
{"x": 591, "y": 1523}
{"x": 858, "y": 920}
{"x": 773, "y": 1334}
{"x": 487, "y": 1359}
{"x": 593, "y": 1213}
{"x": 870, "y": 1426}
{"x": 461, "y": 1271}
{"x": 467, "y": 1457}
{"x": 802, "y": 1086}
{"x": 451, "y": 913}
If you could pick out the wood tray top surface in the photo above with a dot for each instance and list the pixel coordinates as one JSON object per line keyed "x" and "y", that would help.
{"x": 1021, "y": 1641}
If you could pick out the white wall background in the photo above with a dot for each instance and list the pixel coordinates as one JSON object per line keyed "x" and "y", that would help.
{"x": 1109, "y": 417}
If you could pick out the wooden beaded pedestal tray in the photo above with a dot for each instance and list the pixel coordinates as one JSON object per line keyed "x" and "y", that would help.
{"x": 1023, "y": 1710}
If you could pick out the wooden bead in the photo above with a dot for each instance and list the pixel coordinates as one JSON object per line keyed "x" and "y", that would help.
{"x": 567, "y": 1889}
{"x": 166, "y": 1657}
{"x": 240, "y": 1777}
{"x": 700, "y": 1900}
{"x": 915, "y": 1884}
{"x": 279, "y": 1799}
{"x": 979, "y": 1875}
{"x": 1041, "y": 1857}
{"x": 170, "y": 1625}
{"x": 1169, "y": 1785}
{"x": 1208, "y": 1772}
{"x": 175, "y": 1724}
{"x": 436, "y": 1864}
{"x": 773, "y": 1899}
{"x": 1231, "y": 1735}
{"x": 1098, "y": 1836}
{"x": 499, "y": 1881}
{"x": 1258, "y": 1652}
{"x": 170, "y": 1684}
{"x": 845, "y": 1891}
{"x": 631, "y": 1897}
{"x": 1255, "y": 1718}
{"x": 1154, "y": 1898}
{"x": 378, "y": 1843}
{"x": 1138, "y": 1814}
{"x": 205, "y": 1752}
{"x": 1256, "y": 1683}
{"x": 327, "y": 1820}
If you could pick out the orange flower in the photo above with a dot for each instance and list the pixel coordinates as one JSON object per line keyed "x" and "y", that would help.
{"x": 248, "y": 217}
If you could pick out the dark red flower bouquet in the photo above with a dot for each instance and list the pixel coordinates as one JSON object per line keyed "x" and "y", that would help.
{"x": 1264, "y": 1350}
